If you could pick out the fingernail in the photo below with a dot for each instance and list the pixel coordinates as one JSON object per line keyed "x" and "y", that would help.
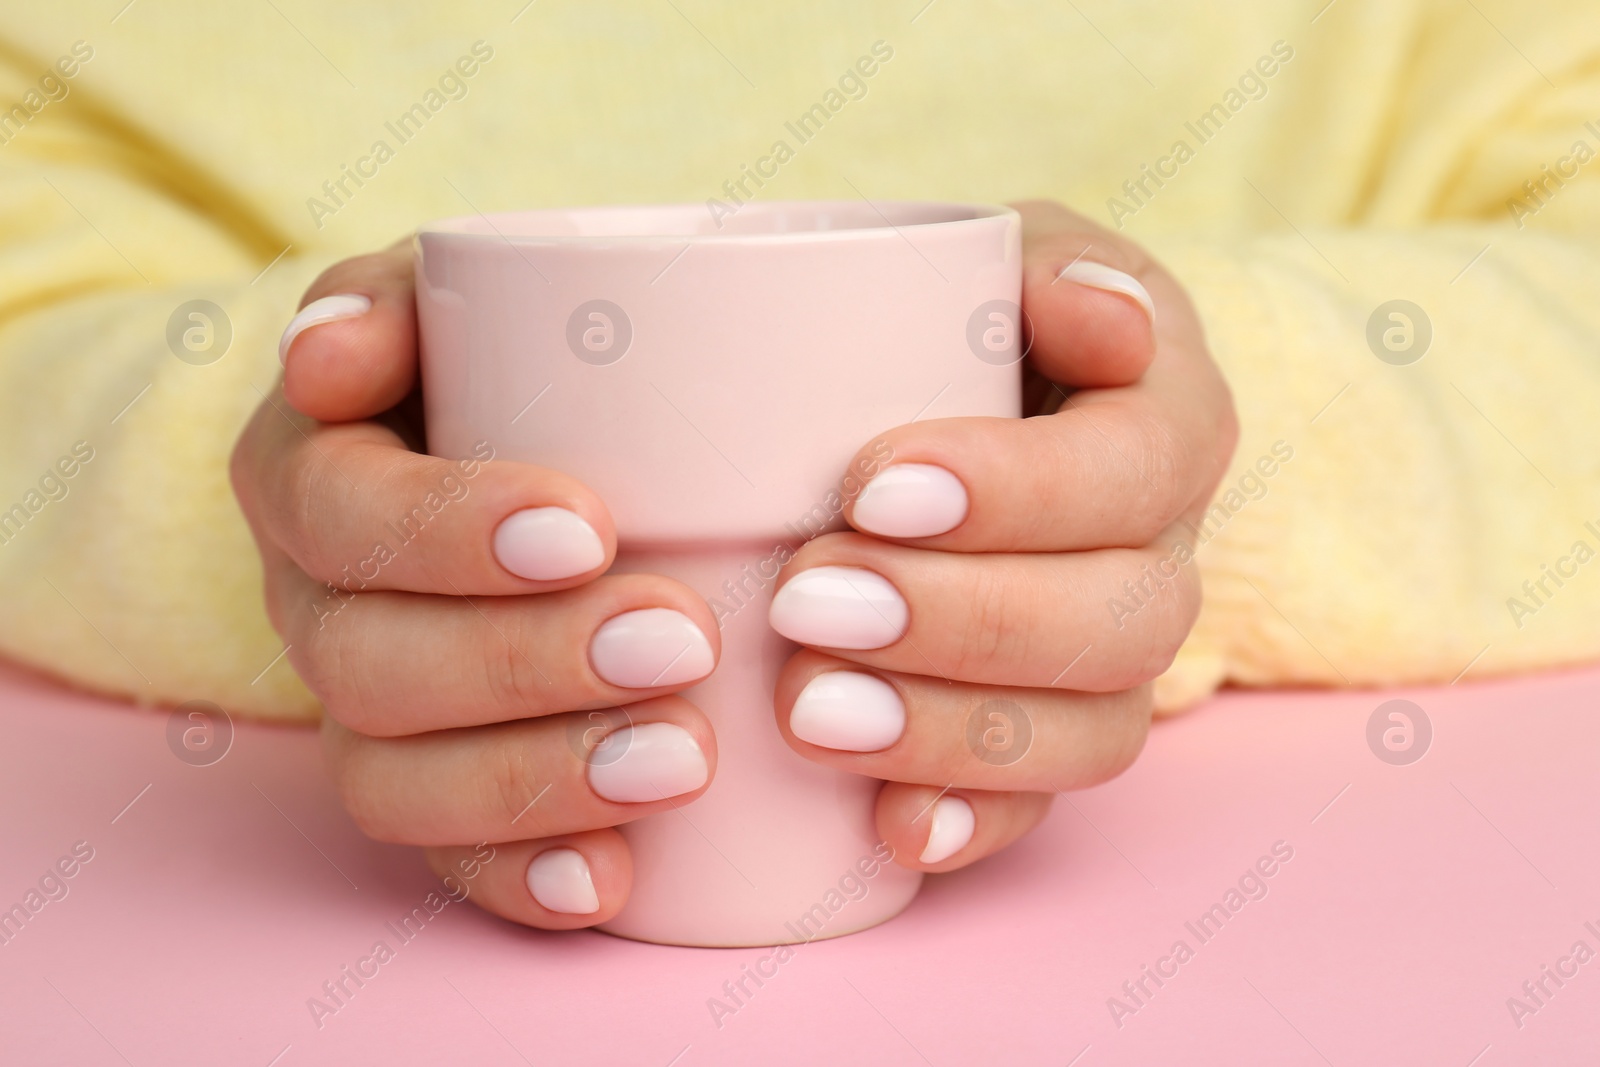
{"x": 647, "y": 762}
{"x": 559, "y": 880}
{"x": 953, "y": 823}
{"x": 547, "y": 543}
{"x": 849, "y": 711}
{"x": 839, "y": 607}
{"x": 649, "y": 647}
{"x": 1100, "y": 276}
{"x": 911, "y": 500}
{"x": 328, "y": 309}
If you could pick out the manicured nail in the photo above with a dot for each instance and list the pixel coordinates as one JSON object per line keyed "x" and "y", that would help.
{"x": 649, "y": 647}
{"x": 559, "y": 880}
{"x": 839, "y": 607}
{"x": 547, "y": 543}
{"x": 1100, "y": 276}
{"x": 849, "y": 711}
{"x": 911, "y": 500}
{"x": 328, "y": 309}
{"x": 647, "y": 762}
{"x": 953, "y": 823}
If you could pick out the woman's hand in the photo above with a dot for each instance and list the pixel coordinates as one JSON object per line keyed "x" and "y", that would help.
{"x": 989, "y": 637}
{"x": 455, "y": 621}
{"x": 486, "y": 682}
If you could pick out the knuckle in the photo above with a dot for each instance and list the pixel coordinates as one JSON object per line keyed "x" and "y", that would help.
{"x": 1110, "y": 734}
{"x": 1191, "y": 598}
{"x": 1158, "y": 647}
{"x": 1122, "y": 724}
{"x": 1168, "y": 602}
{"x": 240, "y": 468}
{"x": 250, "y": 466}
{"x": 1159, "y": 454}
{"x": 956, "y": 762}
{"x": 512, "y": 781}
{"x": 991, "y": 631}
{"x": 278, "y": 600}
{"x": 1131, "y": 713}
{"x": 1179, "y": 610}
{"x": 350, "y": 759}
{"x": 305, "y": 488}
{"x": 1139, "y": 668}
{"x": 298, "y": 479}
{"x": 509, "y": 674}
{"x": 1166, "y": 638}
{"x": 1227, "y": 429}
{"x": 319, "y": 660}
{"x": 331, "y": 669}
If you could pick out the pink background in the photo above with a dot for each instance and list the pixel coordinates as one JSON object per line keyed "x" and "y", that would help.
{"x": 1416, "y": 903}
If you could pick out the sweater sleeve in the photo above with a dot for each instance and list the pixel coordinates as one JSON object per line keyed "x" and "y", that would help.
{"x": 1416, "y": 495}
{"x": 138, "y": 330}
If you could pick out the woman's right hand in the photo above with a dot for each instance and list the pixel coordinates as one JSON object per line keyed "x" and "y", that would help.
{"x": 484, "y": 680}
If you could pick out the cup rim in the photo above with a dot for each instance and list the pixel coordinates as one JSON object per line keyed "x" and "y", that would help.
{"x": 494, "y": 226}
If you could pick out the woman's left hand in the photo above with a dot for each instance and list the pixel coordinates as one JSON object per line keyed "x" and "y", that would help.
{"x": 989, "y": 637}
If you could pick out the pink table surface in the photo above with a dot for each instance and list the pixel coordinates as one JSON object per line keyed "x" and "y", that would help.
{"x": 1418, "y": 900}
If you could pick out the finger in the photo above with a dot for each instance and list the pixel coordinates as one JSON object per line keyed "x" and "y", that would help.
{"x": 351, "y": 350}
{"x": 1090, "y": 296}
{"x": 1096, "y": 621}
{"x": 1110, "y": 469}
{"x": 521, "y": 780}
{"x": 911, "y": 728}
{"x": 1110, "y": 466}
{"x": 391, "y": 664}
{"x": 353, "y": 507}
{"x": 933, "y": 829}
{"x": 557, "y": 883}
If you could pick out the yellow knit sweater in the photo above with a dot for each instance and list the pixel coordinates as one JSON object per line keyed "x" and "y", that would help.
{"x": 1299, "y": 167}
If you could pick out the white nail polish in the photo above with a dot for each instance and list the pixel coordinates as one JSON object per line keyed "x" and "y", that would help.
{"x": 651, "y": 761}
{"x": 953, "y": 823}
{"x": 911, "y": 500}
{"x": 559, "y": 880}
{"x": 545, "y": 544}
{"x": 650, "y": 647}
{"x": 850, "y": 711}
{"x": 328, "y": 309}
{"x": 839, "y": 607}
{"x": 1100, "y": 276}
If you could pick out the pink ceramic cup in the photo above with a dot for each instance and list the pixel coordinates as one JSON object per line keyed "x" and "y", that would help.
{"x": 713, "y": 386}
